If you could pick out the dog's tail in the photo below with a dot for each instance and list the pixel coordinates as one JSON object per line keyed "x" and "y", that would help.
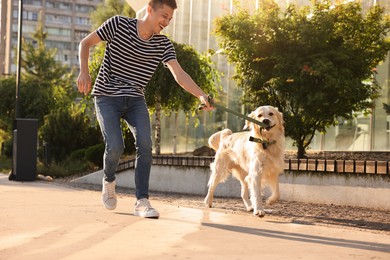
{"x": 216, "y": 139}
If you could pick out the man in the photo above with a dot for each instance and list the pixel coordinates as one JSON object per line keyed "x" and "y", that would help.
{"x": 134, "y": 49}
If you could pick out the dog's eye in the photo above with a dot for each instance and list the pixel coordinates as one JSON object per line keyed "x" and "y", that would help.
{"x": 259, "y": 115}
{"x": 271, "y": 114}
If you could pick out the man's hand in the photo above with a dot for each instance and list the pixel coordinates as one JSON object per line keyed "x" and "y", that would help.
{"x": 204, "y": 100}
{"x": 84, "y": 83}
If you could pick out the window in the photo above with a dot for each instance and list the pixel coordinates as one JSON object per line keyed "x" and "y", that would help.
{"x": 58, "y": 19}
{"x": 27, "y": 28}
{"x": 30, "y": 16}
{"x": 58, "y": 45}
{"x": 83, "y": 20}
{"x": 33, "y": 2}
{"x": 58, "y": 31}
{"x": 84, "y": 8}
{"x": 59, "y": 5}
{"x": 80, "y": 34}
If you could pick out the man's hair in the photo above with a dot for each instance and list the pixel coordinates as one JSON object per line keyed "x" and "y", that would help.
{"x": 159, "y": 3}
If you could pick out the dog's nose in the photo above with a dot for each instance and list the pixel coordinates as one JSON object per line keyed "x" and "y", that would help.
{"x": 266, "y": 121}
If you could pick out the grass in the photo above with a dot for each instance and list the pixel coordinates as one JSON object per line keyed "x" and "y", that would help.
{"x": 57, "y": 170}
{"x": 66, "y": 168}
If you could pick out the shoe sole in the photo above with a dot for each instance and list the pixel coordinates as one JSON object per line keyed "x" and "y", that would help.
{"x": 110, "y": 208}
{"x": 146, "y": 216}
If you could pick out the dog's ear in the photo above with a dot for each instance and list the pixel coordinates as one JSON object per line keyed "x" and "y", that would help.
{"x": 248, "y": 125}
{"x": 279, "y": 116}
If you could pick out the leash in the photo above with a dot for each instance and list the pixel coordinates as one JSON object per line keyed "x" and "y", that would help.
{"x": 211, "y": 101}
{"x": 265, "y": 143}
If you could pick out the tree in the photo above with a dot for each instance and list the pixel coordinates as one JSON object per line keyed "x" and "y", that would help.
{"x": 7, "y": 104}
{"x": 45, "y": 84}
{"x": 313, "y": 66}
{"x": 164, "y": 94}
{"x": 109, "y": 8}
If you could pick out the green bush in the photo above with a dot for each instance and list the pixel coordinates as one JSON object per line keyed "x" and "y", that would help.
{"x": 78, "y": 154}
{"x": 8, "y": 148}
{"x": 65, "y": 168}
{"x": 5, "y": 164}
{"x": 94, "y": 154}
{"x": 68, "y": 130}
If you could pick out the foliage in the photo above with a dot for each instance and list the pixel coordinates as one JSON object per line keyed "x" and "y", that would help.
{"x": 5, "y": 164}
{"x": 386, "y": 107}
{"x": 92, "y": 154}
{"x": 8, "y": 147}
{"x": 39, "y": 64}
{"x": 67, "y": 167}
{"x": 173, "y": 96}
{"x": 109, "y": 8}
{"x": 45, "y": 84}
{"x": 67, "y": 130}
{"x": 50, "y": 82}
{"x": 315, "y": 67}
{"x": 7, "y": 104}
{"x": 163, "y": 93}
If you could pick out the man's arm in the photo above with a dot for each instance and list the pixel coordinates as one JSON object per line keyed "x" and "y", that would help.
{"x": 186, "y": 82}
{"x": 84, "y": 79}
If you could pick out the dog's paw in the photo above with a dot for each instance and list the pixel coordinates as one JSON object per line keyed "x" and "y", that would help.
{"x": 208, "y": 203}
{"x": 259, "y": 213}
{"x": 249, "y": 208}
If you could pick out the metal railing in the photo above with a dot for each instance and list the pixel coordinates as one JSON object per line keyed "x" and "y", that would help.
{"x": 304, "y": 165}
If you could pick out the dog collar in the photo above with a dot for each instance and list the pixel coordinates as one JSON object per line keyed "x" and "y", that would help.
{"x": 265, "y": 143}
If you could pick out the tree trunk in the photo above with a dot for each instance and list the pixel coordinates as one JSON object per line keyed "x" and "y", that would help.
{"x": 158, "y": 126}
{"x": 301, "y": 151}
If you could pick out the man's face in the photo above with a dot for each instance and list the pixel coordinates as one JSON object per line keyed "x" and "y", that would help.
{"x": 160, "y": 17}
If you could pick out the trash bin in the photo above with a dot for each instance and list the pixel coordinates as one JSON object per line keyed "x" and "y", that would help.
{"x": 24, "y": 159}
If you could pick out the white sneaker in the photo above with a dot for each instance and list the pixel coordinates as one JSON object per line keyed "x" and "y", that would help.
{"x": 145, "y": 210}
{"x": 108, "y": 195}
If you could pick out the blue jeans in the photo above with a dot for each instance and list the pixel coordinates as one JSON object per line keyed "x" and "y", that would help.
{"x": 109, "y": 111}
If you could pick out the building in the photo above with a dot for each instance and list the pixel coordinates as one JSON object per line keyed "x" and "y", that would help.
{"x": 192, "y": 24}
{"x": 66, "y": 22}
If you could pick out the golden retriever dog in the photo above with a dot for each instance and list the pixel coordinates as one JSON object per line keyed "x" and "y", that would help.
{"x": 253, "y": 157}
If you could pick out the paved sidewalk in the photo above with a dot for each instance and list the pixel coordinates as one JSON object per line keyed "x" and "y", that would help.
{"x": 40, "y": 220}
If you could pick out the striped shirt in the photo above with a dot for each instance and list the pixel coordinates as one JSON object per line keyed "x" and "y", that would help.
{"x": 129, "y": 61}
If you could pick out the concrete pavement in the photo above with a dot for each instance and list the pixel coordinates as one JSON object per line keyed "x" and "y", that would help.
{"x": 41, "y": 220}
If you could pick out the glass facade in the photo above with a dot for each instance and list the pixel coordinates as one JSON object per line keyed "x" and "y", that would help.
{"x": 193, "y": 24}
